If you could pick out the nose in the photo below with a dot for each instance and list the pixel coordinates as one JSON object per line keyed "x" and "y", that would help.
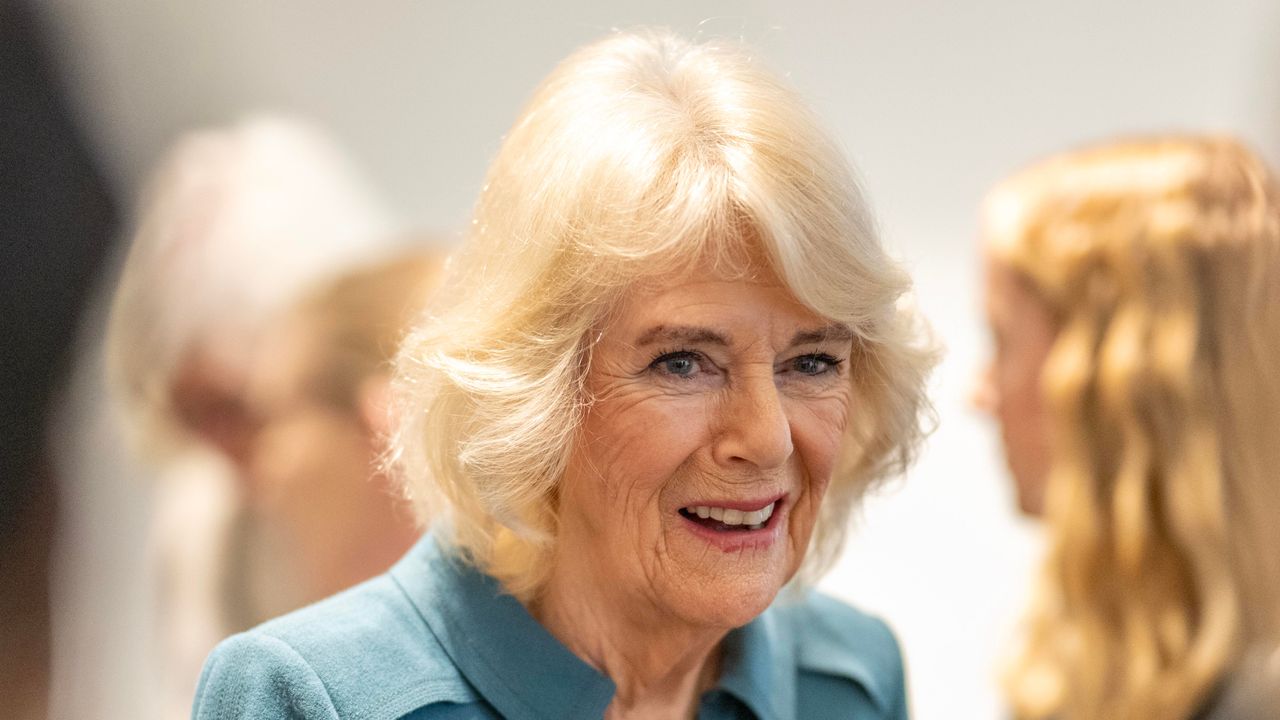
{"x": 982, "y": 396}
{"x": 755, "y": 429}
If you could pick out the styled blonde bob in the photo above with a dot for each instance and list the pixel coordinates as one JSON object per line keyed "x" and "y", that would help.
{"x": 642, "y": 157}
{"x": 1161, "y": 260}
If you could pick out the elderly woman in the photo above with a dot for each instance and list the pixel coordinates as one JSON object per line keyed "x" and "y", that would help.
{"x": 238, "y": 221}
{"x": 1134, "y": 293}
{"x": 667, "y": 363}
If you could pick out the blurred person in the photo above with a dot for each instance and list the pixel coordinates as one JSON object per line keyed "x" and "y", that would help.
{"x": 237, "y": 222}
{"x": 319, "y": 395}
{"x": 1133, "y": 290}
{"x": 666, "y": 366}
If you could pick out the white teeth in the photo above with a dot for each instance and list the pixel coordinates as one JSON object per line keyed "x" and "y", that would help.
{"x": 754, "y": 519}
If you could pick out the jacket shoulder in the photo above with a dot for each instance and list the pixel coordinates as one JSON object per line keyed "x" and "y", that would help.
{"x": 257, "y": 676}
{"x": 364, "y": 653}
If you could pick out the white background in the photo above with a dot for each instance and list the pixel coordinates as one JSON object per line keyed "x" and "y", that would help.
{"x": 933, "y": 101}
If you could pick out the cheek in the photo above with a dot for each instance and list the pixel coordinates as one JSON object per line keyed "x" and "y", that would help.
{"x": 627, "y": 456}
{"x": 1020, "y": 386}
{"x": 308, "y": 449}
{"x": 647, "y": 439}
{"x": 279, "y": 457}
{"x": 818, "y": 429}
{"x": 1023, "y": 425}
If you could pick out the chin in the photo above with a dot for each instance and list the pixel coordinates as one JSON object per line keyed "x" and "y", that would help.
{"x": 726, "y": 603}
{"x": 1030, "y": 504}
{"x": 1029, "y": 487}
{"x": 1030, "y": 495}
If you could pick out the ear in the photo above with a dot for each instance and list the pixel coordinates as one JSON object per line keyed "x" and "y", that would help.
{"x": 374, "y": 399}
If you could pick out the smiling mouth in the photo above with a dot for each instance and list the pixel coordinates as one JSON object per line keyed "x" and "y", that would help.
{"x": 722, "y": 519}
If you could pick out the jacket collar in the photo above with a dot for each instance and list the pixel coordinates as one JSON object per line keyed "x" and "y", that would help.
{"x": 524, "y": 672}
{"x": 759, "y": 667}
{"x": 508, "y": 657}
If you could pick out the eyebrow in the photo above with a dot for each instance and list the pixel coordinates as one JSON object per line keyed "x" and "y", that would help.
{"x": 683, "y": 333}
{"x": 834, "y": 332}
{"x": 704, "y": 335}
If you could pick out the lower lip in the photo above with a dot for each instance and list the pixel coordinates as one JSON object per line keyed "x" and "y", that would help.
{"x": 740, "y": 540}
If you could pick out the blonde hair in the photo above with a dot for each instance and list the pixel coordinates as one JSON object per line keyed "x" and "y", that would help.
{"x": 641, "y": 157}
{"x": 1160, "y": 259}
{"x": 236, "y": 222}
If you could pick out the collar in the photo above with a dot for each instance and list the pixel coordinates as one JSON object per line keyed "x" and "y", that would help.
{"x": 758, "y": 667}
{"x": 524, "y": 672}
{"x": 508, "y": 657}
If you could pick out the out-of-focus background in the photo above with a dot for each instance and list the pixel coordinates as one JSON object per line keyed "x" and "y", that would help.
{"x": 933, "y": 101}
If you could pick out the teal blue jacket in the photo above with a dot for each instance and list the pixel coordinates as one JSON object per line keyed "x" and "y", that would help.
{"x": 435, "y": 638}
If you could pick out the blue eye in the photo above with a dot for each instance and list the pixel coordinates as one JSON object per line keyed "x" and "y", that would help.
{"x": 816, "y": 364}
{"x": 682, "y": 364}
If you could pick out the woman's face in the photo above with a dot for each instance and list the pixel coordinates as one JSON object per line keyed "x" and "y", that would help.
{"x": 1009, "y": 389}
{"x": 309, "y": 455}
{"x": 719, "y": 410}
{"x": 315, "y": 481}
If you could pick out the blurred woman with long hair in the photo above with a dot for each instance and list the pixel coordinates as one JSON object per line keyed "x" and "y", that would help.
{"x": 1134, "y": 294}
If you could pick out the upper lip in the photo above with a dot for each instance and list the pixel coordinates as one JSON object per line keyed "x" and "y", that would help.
{"x": 744, "y": 505}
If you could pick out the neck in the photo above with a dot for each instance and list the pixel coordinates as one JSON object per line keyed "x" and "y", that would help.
{"x": 660, "y": 667}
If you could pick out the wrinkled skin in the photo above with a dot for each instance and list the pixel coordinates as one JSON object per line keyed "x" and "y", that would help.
{"x": 704, "y": 391}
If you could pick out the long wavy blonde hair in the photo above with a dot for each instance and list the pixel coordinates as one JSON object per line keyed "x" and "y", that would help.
{"x": 1160, "y": 260}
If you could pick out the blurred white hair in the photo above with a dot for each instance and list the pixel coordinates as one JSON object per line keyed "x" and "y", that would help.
{"x": 236, "y": 222}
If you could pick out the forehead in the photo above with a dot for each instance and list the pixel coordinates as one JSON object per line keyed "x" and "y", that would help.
{"x": 287, "y": 357}
{"x": 1016, "y": 311}
{"x": 1005, "y": 288}
{"x": 752, "y": 305}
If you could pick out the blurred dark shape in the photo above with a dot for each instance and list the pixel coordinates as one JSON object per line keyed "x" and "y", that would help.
{"x": 55, "y": 230}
